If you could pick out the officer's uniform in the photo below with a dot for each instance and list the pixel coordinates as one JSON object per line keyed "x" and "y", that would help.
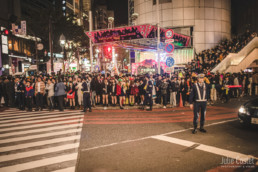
{"x": 198, "y": 97}
{"x": 148, "y": 94}
{"x": 86, "y": 96}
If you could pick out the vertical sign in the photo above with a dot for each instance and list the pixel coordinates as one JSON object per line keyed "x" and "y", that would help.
{"x": 23, "y": 28}
{"x": 4, "y": 44}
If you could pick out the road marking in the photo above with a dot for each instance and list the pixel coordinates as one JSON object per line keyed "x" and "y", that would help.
{"x": 38, "y": 113}
{"x": 155, "y": 121}
{"x": 13, "y": 129}
{"x": 68, "y": 131}
{"x": 32, "y": 140}
{"x": 149, "y": 137}
{"x": 66, "y": 169}
{"x": 38, "y": 121}
{"x": 27, "y": 154}
{"x": 216, "y": 123}
{"x": 40, "y": 143}
{"x": 39, "y": 163}
{"x": 40, "y": 130}
{"x": 38, "y": 118}
{"x": 205, "y": 148}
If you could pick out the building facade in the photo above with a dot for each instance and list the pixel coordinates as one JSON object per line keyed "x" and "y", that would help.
{"x": 207, "y": 21}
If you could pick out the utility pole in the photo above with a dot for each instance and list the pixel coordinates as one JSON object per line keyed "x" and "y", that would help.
{"x": 51, "y": 44}
{"x": 158, "y": 35}
{"x": 37, "y": 57}
{"x": 91, "y": 51}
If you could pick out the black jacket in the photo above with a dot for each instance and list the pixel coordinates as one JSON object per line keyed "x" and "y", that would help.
{"x": 194, "y": 94}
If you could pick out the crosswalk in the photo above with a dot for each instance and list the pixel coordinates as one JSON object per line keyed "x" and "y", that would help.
{"x": 39, "y": 141}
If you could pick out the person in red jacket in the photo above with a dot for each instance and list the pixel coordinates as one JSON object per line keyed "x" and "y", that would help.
{"x": 133, "y": 92}
{"x": 29, "y": 92}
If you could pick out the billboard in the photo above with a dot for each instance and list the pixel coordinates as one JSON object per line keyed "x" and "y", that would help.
{"x": 134, "y": 32}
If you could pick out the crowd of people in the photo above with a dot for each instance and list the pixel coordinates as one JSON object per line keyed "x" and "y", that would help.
{"x": 208, "y": 59}
{"x": 82, "y": 90}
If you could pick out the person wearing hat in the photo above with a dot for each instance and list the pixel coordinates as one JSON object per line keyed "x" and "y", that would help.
{"x": 86, "y": 95}
{"x": 198, "y": 102}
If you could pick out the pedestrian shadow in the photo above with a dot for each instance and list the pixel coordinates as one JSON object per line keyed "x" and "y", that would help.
{"x": 190, "y": 148}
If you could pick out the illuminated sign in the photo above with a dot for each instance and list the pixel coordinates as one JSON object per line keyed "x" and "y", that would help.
{"x": 134, "y": 32}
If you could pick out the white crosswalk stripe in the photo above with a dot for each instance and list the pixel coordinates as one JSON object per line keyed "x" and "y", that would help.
{"x": 36, "y": 121}
{"x": 33, "y": 114}
{"x": 37, "y": 118}
{"x": 39, "y": 140}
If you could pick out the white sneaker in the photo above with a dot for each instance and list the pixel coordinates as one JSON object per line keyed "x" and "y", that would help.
{"x": 164, "y": 107}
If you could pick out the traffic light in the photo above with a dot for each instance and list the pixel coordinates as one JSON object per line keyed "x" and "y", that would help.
{"x": 5, "y": 32}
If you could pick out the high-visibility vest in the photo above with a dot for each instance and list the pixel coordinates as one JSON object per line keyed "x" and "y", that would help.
{"x": 201, "y": 99}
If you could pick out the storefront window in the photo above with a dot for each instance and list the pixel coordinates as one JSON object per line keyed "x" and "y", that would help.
{"x": 10, "y": 45}
{"x": 15, "y": 46}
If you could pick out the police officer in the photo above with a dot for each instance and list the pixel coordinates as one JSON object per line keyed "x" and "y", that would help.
{"x": 86, "y": 95}
{"x": 198, "y": 101}
{"x": 148, "y": 93}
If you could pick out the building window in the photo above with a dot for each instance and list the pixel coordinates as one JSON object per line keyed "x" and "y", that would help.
{"x": 161, "y": 1}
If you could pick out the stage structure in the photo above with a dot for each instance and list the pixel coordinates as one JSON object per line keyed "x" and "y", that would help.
{"x": 142, "y": 40}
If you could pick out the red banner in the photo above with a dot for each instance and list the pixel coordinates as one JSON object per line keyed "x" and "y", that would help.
{"x": 134, "y": 32}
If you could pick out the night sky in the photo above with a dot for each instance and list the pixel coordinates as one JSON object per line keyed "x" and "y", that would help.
{"x": 120, "y": 8}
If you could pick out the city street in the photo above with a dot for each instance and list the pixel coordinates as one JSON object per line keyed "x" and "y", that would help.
{"x": 126, "y": 140}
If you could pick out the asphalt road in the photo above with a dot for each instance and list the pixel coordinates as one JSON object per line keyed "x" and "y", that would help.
{"x": 161, "y": 140}
{"x": 129, "y": 140}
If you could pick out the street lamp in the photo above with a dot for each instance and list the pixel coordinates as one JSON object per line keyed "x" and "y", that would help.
{"x": 62, "y": 44}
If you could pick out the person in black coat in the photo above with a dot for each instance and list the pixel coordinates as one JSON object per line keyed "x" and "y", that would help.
{"x": 159, "y": 82}
{"x": 10, "y": 91}
{"x": 198, "y": 102}
{"x": 104, "y": 87}
{"x": 20, "y": 96}
{"x": 112, "y": 91}
{"x": 148, "y": 93}
{"x": 183, "y": 90}
{"x": 173, "y": 91}
{"x": 98, "y": 89}
{"x": 86, "y": 95}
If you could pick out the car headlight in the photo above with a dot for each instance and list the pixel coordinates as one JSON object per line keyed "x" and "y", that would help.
{"x": 242, "y": 110}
